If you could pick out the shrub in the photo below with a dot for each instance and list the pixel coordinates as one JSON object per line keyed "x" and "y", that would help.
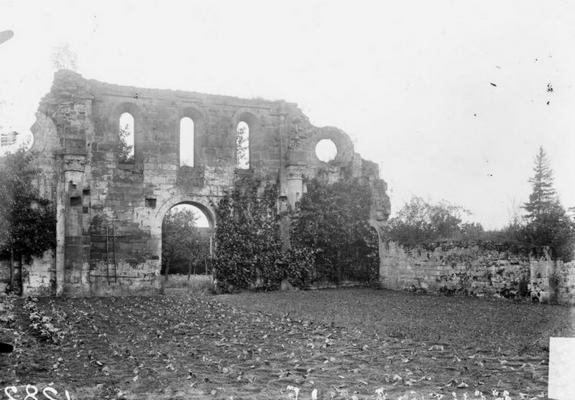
{"x": 332, "y": 221}
{"x": 331, "y": 239}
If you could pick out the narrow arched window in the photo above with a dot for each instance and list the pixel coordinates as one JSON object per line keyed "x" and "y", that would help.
{"x": 186, "y": 142}
{"x": 243, "y": 145}
{"x": 126, "y": 133}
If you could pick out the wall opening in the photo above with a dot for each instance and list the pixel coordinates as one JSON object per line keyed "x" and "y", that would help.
{"x": 243, "y": 145}
{"x": 11, "y": 141}
{"x": 325, "y": 150}
{"x": 187, "y": 142}
{"x": 186, "y": 247}
{"x": 151, "y": 202}
{"x": 126, "y": 133}
{"x": 75, "y": 201}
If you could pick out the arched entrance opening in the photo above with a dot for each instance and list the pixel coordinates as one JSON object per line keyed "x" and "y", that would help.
{"x": 187, "y": 245}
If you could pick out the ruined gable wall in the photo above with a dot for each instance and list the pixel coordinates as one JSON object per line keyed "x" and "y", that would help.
{"x": 110, "y": 214}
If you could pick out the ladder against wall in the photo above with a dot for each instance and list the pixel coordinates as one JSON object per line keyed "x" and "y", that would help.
{"x": 103, "y": 262}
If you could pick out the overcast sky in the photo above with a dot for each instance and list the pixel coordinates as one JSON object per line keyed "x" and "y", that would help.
{"x": 449, "y": 97}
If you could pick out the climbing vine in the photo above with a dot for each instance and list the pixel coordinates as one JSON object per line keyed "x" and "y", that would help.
{"x": 331, "y": 239}
{"x": 27, "y": 220}
{"x": 333, "y": 221}
{"x": 248, "y": 247}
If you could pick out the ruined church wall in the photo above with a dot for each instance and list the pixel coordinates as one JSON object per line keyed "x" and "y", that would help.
{"x": 112, "y": 228}
{"x": 110, "y": 213}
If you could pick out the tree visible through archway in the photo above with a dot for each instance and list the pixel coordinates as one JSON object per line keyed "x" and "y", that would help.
{"x": 186, "y": 246}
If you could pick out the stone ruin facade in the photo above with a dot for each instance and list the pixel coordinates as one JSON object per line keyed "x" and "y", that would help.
{"x": 110, "y": 213}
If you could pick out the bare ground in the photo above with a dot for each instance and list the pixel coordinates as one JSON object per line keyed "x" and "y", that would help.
{"x": 340, "y": 343}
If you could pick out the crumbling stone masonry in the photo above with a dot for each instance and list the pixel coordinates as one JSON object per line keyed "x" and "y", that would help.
{"x": 110, "y": 213}
{"x": 476, "y": 271}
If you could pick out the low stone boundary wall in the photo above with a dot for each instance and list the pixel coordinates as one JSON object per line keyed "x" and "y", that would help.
{"x": 476, "y": 271}
{"x": 32, "y": 279}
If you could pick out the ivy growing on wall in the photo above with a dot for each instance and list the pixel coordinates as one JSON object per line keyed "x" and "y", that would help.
{"x": 27, "y": 221}
{"x": 331, "y": 239}
{"x": 333, "y": 221}
{"x": 248, "y": 246}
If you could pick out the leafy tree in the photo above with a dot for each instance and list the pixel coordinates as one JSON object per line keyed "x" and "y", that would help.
{"x": 552, "y": 229}
{"x": 181, "y": 240}
{"x": 27, "y": 221}
{"x": 125, "y": 150}
{"x": 420, "y": 223}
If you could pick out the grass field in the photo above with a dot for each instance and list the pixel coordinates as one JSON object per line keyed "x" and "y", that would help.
{"x": 329, "y": 344}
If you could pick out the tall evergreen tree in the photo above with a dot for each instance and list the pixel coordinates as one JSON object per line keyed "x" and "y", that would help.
{"x": 548, "y": 224}
{"x": 543, "y": 198}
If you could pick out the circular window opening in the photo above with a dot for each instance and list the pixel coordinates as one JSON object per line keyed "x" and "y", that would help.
{"x": 326, "y": 150}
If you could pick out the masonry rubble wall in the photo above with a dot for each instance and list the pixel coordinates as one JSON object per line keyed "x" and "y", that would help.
{"x": 110, "y": 213}
{"x": 31, "y": 278}
{"x": 561, "y": 281}
{"x": 37, "y": 275}
{"x": 476, "y": 271}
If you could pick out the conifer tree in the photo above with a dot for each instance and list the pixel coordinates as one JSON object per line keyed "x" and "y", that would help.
{"x": 548, "y": 224}
{"x": 543, "y": 198}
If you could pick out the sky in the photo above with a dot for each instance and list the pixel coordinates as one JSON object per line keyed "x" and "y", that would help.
{"x": 450, "y": 98}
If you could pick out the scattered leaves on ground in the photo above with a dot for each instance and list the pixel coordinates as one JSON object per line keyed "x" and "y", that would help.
{"x": 339, "y": 344}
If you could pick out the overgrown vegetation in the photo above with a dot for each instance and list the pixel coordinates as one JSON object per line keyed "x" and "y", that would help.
{"x": 43, "y": 325}
{"x": 248, "y": 246}
{"x": 331, "y": 240}
{"x": 246, "y": 237}
{"x": 545, "y": 229}
{"x": 333, "y": 222}
{"x": 27, "y": 221}
{"x": 546, "y": 221}
{"x": 421, "y": 223}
